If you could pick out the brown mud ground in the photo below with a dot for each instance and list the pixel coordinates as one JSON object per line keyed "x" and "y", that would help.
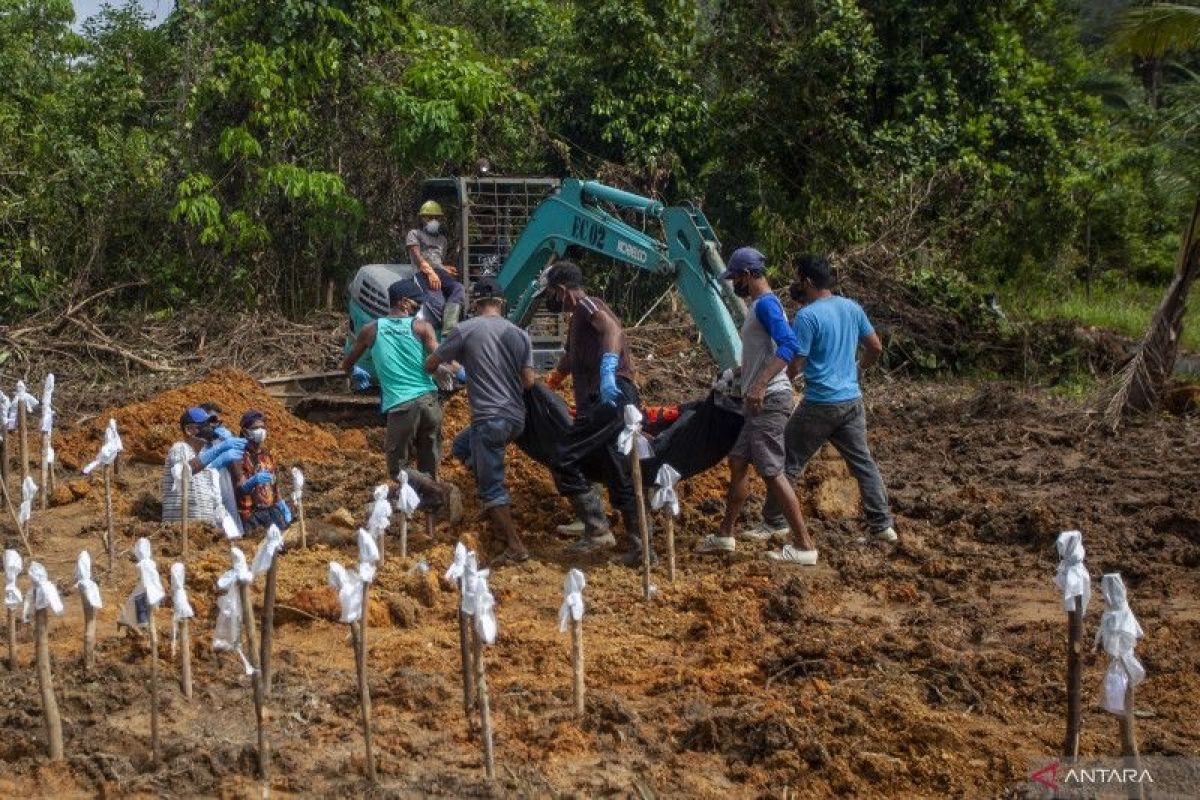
{"x": 934, "y": 669}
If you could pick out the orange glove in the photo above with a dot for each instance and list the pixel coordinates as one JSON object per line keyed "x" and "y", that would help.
{"x": 555, "y": 379}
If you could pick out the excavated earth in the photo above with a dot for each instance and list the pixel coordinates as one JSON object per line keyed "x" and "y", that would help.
{"x": 932, "y": 669}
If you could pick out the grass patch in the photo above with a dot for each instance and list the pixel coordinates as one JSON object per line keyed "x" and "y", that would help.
{"x": 1125, "y": 308}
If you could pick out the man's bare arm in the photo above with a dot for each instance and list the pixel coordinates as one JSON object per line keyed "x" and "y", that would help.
{"x": 424, "y": 332}
{"x": 365, "y": 338}
{"x": 796, "y": 367}
{"x": 872, "y": 350}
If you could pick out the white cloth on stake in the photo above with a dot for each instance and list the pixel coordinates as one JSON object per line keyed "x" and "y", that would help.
{"x": 6, "y": 405}
{"x": 227, "y": 635}
{"x": 47, "y": 407}
{"x": 1072, "y": 576}
{"x": 43, "y": 593}
{"x": 148, "y": 592}
{"x": 479, "y": 602}
{"x": 664, "y": 495}
{"x": 572, "y": 605}
{"x": 457, "y": 567}
{"x": 633, "y": 426}
{"x": 12, "y": 570}
{"x": 181, "y": 607}
{"x": 1118, "y": 633}
{"x": 297, "y": 485}
{"x": 271, "y": 544}
{"x": 348, "y": 585}
{"x": 225, "y": 521}
{"x": 29, "y": 490}
{"x": 407, "y": 499}
{"x": 381, "y": 513}
{"x": 368, "y": 555}
{"x": 87, "y": 587}
{"x": 22, "y": 395}
{"x": 109, "y": 450}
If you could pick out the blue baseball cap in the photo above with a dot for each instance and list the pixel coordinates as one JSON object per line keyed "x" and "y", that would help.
{"x": 196, "y": 416}
{"x": 743, "y": 260}
{"x": 407, "y": 289}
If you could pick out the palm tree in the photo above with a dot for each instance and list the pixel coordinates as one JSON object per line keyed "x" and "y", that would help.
{"x": 1151, "y": 32}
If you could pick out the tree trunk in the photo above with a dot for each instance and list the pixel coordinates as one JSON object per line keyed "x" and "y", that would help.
{"x": 1140, "y": 384}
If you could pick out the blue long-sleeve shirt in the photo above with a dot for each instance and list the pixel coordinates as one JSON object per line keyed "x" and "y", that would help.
{"x": 769, "y": 313}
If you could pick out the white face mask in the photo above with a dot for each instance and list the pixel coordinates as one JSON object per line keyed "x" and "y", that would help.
{"x": 432, "y": 227}
{"x": 258, "y": 435}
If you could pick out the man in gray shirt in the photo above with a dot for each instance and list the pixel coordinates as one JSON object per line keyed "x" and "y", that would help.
{"x": 427, "y": 246}
{"x": 497, "y": 366}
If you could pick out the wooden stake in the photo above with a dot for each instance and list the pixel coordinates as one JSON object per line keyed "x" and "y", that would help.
{"x": 155, "y": 746}
{"x": 635, "y": 466}
{"x": 485, "y": 707}
{"x": 184, "y": 485}
{"x": 1074, "y": 656}
{"x": 46, "y": 685}
{"x": 577, "y": 664}
{"x": 12, "y": 640}
{"x": 403, "y": 535}
{"x": 464, "y": 652}
{"x": 23, "y": 432}
{"x": 670, "y": 546}
{"x": 89, "y": 633}
{"x": 364, "y": 689}
{"x": 268, "y": 624}
{"x": 45, "y": 471}
{"x": 303, "y": 527}
{"x": 110, "y": 541}
{"x": 255, "y": 679}
{"x": 185, "y": 657}
{"x": 380, "y": 543}
{"x": 1129, "y": 746}
{"x": 4, "y": 452}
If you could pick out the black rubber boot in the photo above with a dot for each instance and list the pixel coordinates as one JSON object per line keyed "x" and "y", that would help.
{"x": 596, "y": 533}
{"x": 633, "y": 555}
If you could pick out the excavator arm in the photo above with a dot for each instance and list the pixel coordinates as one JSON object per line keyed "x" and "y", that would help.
{"x": 689, "y": 252}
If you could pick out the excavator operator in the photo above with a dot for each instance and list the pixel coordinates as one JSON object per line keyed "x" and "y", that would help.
{"x": 427, "y": 245}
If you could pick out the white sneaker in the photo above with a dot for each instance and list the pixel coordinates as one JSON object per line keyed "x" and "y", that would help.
{"x": 764, "y": 532}
{"x": 716, "y": 544}
{"x": 792, "y": 555}
{"x": 888, "y": 535}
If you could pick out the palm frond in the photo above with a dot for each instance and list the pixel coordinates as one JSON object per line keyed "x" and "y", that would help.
{"x": 1155, "y": 30}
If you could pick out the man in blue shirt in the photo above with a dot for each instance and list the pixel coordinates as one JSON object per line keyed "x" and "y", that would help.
{"x": 829, "y": 330}
{"x": 768, "y": 347}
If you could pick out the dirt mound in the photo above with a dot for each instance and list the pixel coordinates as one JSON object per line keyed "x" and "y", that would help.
{"x": 148, "y": 429}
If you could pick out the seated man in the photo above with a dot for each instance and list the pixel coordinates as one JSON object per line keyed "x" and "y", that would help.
{"x": 206, "y": 456}
{"x": 259, "y": 502}
{"x": 427, "y": 245}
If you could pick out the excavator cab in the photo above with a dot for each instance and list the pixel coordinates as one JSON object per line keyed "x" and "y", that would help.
{"x": 485, "y": 215}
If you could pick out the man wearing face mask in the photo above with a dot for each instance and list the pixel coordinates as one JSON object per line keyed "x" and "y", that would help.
{"x": 768, "y": 346}
{"x": 829, "y": 332}
{"x": 399, "y": 345}
{"x": 601, "y": 369}
{"x": 259, "y": 502}
{"x": 427, "y": 245}
{"x": 206, "y": 455}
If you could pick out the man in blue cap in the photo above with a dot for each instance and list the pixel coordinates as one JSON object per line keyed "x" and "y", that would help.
{"x": 768, "y": 347}
{"x": 830, "y": 332}
{"x": 399, "y": 345}
{"x": 207, "y": 455}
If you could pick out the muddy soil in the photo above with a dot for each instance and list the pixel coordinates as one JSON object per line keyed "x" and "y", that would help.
{"x": 931, "y": 669}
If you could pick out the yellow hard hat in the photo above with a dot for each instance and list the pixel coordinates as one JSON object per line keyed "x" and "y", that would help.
{"x": 430, "y": 208}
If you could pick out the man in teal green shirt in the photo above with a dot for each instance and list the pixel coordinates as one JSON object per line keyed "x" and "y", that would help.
{"x": 399, "y": 345}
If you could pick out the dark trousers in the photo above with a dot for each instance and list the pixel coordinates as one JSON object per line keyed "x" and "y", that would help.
{"x": 844, "y": 425}
{"x": 452, "y": 291}
{"x": 590, "y": 446}
{"x": 414, "y": 426}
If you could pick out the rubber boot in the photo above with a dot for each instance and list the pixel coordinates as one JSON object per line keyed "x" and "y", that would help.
{"x": 596, "y": 533}
{"x": 451, "y": 314}
{"x": 503, "y": 525}
{"x": 633, "y": 556}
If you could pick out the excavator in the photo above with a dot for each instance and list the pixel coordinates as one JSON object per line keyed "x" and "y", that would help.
{"x": 515, "y": 228}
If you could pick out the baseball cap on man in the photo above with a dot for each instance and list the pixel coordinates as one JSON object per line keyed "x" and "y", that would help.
{"x": 486, "y": 288}
{"x": 407, "y": 289}
{"x": 196, "y": 416}
{"x": 743, "y": 260}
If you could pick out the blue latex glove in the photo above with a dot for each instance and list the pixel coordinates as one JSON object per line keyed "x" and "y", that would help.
{"x": 609, "y": 393}
{"x": 360, "y": 378}
{"x": 287, "y": 512}
{"x": 223, "y": 432}
{"x": 232, "y": 446}
{"x": 223, "y": 460}
{"x": 461, "y": 375}
{"x": 256, "y": 480}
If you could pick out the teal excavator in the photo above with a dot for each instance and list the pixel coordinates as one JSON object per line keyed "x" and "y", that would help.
{"x": 515, "y": 228}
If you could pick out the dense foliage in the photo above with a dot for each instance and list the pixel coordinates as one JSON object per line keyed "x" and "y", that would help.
{"x": 248, "y": 153}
